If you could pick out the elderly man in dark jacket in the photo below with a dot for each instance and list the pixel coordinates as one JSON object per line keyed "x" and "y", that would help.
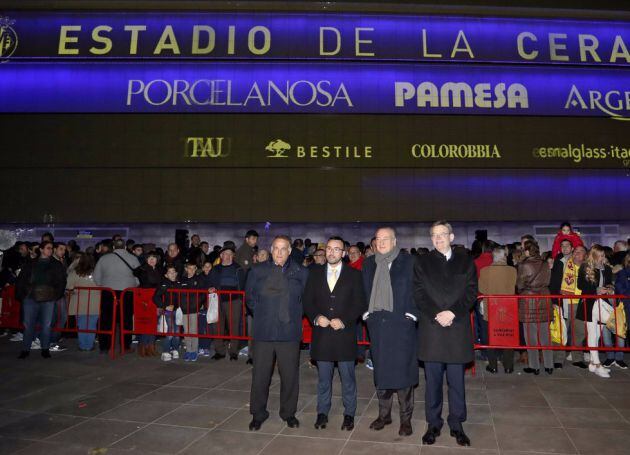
{"x": 445, "y": 291}
{"x": 274, "y": 296}
{"x": 334, "y": 301}
{"x": 391, "y": 320}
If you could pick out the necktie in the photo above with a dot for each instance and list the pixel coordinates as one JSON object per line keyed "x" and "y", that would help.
{"x": 332, "y": 280}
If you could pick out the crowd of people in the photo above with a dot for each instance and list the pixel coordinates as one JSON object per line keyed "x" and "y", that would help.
{"x": 414, "y": 303}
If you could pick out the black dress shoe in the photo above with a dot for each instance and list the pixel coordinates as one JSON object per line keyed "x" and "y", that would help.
{"x": 489, "y": 369}
{"x": 460, "y": 437}
{"x": 430, "y": 436}
{"x": 250, "y": 361}
{"x": 322, "y": 420}
{"x": 509, "y": 370}
{"x": 557, "y": 365}
{"x": 405, "y": 429}
{"x": 531, "y": 370}
{"x": 254, "y": 425}
{"x": 233, "y": 357}
{"x": 549, "y": 370}
{"x": 580, "y": 365}
{"x": 292, "y": 422}
{"x": 23, "y": 355}
{"x": 218, "y": 356}
{"x": 348, "y": 423}
{"x": 46, "y": 353}
{"x": 380, "y": 423}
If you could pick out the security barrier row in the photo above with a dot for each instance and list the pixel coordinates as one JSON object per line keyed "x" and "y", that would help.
{"x": 554, "y": 322}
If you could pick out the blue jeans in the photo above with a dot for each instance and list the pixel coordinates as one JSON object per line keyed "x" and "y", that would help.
{"x": 60, "y": 317}
{"x": 202, "y": 329}
{"x": 326, "y": 371}
{"x": 86, "y": 322}
{"x": 609, "y": 341}
{"x": 34, "y": 312}
{"x": 170, "y": 343}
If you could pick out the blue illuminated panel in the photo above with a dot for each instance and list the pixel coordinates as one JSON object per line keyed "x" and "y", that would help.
{"x": 312, "y": 88}
{"x": 319, "y": 36}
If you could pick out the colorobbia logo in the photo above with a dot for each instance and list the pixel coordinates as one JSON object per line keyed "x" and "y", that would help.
{"x": 278, "y": 149}
{"x": 8, "y": 39}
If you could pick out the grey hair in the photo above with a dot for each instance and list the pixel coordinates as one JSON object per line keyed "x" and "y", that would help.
{"x": 499, "y": 256}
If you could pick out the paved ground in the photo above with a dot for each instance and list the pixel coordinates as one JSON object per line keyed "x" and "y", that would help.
{"x": 88, "y": 404}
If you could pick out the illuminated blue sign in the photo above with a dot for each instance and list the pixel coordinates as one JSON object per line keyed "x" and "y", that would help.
{"x": 237, "y": 87}
{"x": 295, "y": 36}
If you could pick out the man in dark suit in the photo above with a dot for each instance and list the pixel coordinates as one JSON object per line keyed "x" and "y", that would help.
{"x": 445, "y": 291}
{"x": 274, "y": 296}
{"x": 391, "y": 320}
{"x": 334, "y": 301}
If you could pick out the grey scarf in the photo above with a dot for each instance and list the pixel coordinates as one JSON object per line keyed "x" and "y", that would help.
{"x": 382, "y": 296}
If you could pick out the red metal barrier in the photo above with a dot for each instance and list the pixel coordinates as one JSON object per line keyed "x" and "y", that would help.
{"x": 145, "y": 316}
{"x": 89, "y": 299}
{"x": 10, "y": 311}
{"x": 548, "y": 301}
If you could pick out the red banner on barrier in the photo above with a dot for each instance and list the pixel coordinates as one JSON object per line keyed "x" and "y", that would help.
{"x": 9, "y": 308}
{"x": 144, "y": 311}
{"x": 502, "y": 321}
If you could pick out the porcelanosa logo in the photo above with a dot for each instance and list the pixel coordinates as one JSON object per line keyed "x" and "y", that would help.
{"x": 8, "y": 39}
{"x": 614, "y": 103}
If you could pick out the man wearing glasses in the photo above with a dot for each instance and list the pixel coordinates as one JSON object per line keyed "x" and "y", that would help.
{"x": 334, "y": 301}
{"x": 391, "y": 320}
{"x": 274, "y": 297}
{"x": 445, "y": 291}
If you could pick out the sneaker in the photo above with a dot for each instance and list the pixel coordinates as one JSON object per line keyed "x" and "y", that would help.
{"x": 57, "y": 348}
{"x": 175, "y": 354}
{"x": 570, "y": 357}
{"x": 244, "y": 351}
{"x": 166, "y": 357}
{"x": 587, "y": 357}
{"x": 621, "y": 364}
{"x": 204, "y": 352}
{"x": 186, "y": 356}
{"x": 19, "y": 336}
{"x": 369, "y": 364}
{"x": 35, "y": 344}
{"x": 193, "y": 357}
{"x": 602, "y": 372}
{"x": 608, "y": 363}
{"x": 592, "y": 367}
{"x": 4, "y": 333}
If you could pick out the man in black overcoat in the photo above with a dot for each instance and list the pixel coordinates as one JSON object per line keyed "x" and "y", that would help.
{"x": 391, "y": 320}
{"x": 274, "y": 297}
{"x": 334, "y": 301}
{"x": 445, "y": 291}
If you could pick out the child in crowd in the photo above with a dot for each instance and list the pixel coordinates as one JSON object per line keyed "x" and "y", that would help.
{"x": 167, "y": 303}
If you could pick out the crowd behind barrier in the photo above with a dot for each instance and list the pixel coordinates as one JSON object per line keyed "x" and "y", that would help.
{"x": 118, "y": 290}
{"x": 502, "y": 332}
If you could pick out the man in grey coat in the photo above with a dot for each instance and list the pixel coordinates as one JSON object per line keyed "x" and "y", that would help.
{"x": 115, "y": 271}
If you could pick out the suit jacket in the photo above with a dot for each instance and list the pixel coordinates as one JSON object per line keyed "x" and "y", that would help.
{"x": 393, "y": 334}
{"x": 267, "y": 325}
{"x": 345, "y": 302}
{"x": 441, "y": 285}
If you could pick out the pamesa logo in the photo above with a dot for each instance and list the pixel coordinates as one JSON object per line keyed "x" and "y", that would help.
{"x": 8, "y": 39}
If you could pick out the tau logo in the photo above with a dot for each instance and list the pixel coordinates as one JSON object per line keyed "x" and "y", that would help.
{"x": 8, "y": 39}
{"x": 278, "y": 149}
{"x": 207, "y": 147}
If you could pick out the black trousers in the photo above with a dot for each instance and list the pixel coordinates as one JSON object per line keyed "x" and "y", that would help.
{"x": 287, "y": 355}
{"x": 105, "y": 320}
{"x": 434, "y": 375}
{"x": 230, "y": 323}
{"x": 405, "y": 402}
